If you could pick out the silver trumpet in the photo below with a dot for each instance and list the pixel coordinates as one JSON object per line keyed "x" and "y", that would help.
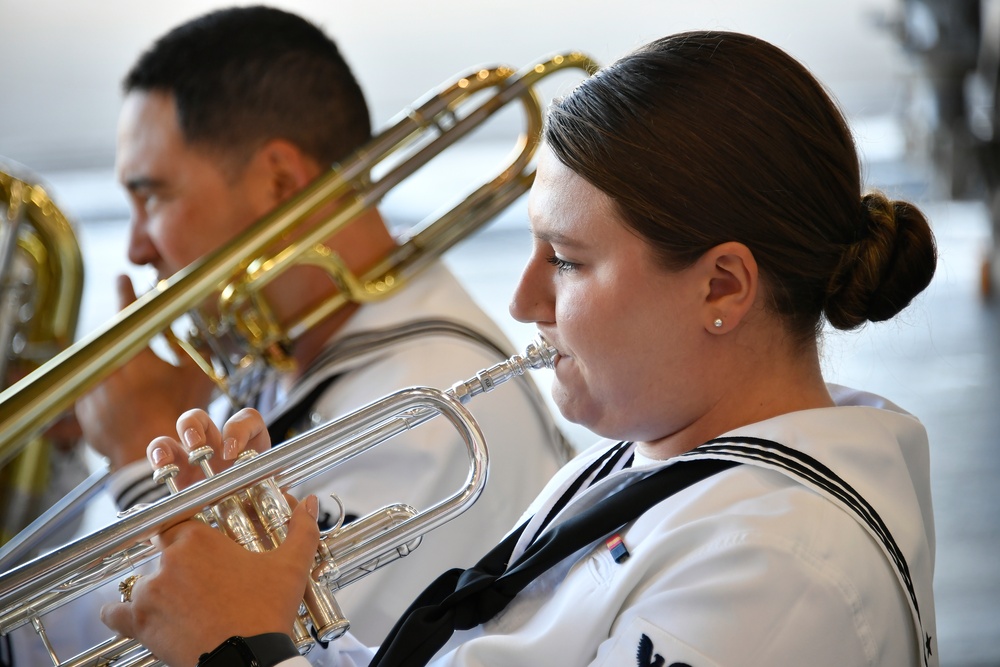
{"x": 249, "y": 494}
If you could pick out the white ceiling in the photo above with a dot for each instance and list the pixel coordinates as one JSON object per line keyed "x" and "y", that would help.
{"x": 63, "y": 61}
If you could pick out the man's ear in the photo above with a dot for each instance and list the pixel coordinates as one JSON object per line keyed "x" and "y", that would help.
{"x": 732, "y": 284}
{"x": 286, "y": 169}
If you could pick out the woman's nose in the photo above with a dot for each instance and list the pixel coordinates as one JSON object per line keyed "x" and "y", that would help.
{"x": 532, "y": 299}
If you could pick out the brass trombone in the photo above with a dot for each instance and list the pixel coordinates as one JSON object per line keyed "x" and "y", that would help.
{"x": 239, "y": 270}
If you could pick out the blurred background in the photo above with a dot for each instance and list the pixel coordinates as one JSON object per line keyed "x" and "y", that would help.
{"x": 896, "y": 66}
{"x": 65, "y": 60}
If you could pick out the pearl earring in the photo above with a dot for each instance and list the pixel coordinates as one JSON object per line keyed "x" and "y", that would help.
{"x": 718, "y": 323}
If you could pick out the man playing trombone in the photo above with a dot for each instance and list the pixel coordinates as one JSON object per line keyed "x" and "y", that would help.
{"x": 225, "y": 118}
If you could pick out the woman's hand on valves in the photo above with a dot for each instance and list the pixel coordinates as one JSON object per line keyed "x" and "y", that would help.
{"x": 196, "y": 431}
{"x": 208, "y": 588}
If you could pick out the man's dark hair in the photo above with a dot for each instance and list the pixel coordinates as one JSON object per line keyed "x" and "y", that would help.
{"x": 246, "y": 75}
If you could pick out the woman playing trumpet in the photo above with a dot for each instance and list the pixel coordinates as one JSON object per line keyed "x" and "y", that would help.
{"x": 698, "y": 214}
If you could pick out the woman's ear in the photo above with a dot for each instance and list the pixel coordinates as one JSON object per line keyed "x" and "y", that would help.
{"x": 732, "y": 284}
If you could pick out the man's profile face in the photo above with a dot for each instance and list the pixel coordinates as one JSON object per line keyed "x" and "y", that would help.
{"x": 184, "y": 204}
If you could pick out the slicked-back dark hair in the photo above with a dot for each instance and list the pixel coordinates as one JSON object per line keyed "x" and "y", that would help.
{"x": 246, "y": 75}
{"x": 707, "y": 137}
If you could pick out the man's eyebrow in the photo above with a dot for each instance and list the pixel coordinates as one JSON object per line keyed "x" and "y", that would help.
{"x": 142, "y": 183}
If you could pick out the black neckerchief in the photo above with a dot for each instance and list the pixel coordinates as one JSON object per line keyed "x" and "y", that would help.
{"x": 462, "y": 599}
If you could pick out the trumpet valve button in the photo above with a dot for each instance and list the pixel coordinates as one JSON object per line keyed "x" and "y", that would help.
{"x": 200, "y": 454}
{"x": 246, "y": 455}
{"x": 160, "y": 475}
{"x": 165, "y": 475}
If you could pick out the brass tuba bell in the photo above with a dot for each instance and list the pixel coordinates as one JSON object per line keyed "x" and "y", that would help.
{"x": 41, "y": 284}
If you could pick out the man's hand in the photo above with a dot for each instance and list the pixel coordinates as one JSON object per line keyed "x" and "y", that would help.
{"x": 140, "y": 400}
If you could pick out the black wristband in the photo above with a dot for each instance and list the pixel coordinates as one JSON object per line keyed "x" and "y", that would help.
{"x": 264, "y": 650}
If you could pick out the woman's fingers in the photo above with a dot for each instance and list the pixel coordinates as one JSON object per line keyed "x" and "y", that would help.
{"x": 244, "y": 430}
{"x": 196, "y": 429}
{"x": 302, "y": 539}
{"x": 201, "y": 591}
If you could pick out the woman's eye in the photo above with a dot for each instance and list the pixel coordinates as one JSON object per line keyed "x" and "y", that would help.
{"x": 560, "y": 264}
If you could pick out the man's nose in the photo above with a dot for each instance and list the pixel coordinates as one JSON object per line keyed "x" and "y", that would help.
{"x": 141, "y": 250}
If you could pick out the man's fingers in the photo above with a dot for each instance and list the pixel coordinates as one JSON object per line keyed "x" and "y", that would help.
{"x": 126, "y": 291}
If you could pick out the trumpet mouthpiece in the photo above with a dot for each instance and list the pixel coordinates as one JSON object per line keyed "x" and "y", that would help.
{"x": 540, "y": 353}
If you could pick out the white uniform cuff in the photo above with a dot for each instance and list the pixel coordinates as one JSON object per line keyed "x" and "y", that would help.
{"x": 133, "y": 484}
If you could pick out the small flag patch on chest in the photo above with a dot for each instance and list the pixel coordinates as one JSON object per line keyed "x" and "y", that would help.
{"x": 617, "y": 548}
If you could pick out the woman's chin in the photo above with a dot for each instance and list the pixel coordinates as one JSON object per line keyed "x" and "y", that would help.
{"x": 563, "y": 400}
{"x": 571, "y": 407}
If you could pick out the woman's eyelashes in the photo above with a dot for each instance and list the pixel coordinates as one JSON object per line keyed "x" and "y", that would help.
{"x": 561, "y": 265}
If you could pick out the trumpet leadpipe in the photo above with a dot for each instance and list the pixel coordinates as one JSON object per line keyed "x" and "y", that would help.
{"x": 539, "y": 354}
